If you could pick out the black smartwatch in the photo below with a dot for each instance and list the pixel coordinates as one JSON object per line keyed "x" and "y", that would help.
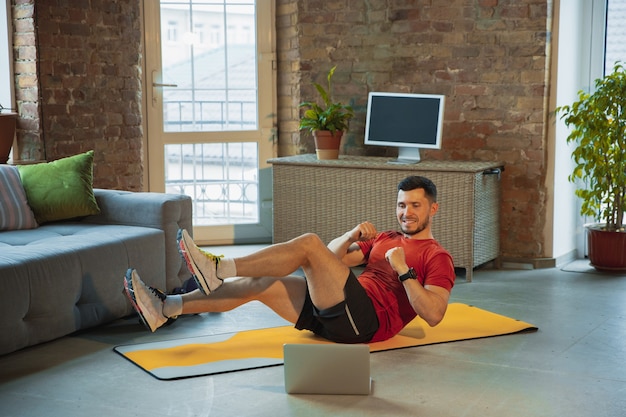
{"x": 409, "y": 275}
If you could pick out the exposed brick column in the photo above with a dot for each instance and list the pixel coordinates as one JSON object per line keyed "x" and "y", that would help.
{"x": 288, "y": 54}
{"x": 29, "y": 130}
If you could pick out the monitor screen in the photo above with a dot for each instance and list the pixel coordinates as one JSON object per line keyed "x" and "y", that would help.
{"x": 406, "y": 121}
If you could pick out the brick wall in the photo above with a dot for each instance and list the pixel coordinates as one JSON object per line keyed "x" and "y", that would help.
{"x": 86, "y": 93}
{"x": 489, "y": 57}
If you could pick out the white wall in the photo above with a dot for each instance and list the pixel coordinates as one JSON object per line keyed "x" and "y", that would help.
{"x": 576, "y": 60}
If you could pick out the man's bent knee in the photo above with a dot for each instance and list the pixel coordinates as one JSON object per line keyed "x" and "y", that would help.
{"x": 310, "y": 244}
{"x": 310, "y": 240}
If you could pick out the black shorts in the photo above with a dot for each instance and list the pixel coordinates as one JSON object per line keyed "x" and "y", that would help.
{"x": 353, "y": 320}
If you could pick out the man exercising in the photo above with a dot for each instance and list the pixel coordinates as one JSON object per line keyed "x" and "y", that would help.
{"x": 406, "y": 274}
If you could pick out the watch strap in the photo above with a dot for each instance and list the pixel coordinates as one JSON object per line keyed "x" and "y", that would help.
{"x": 410, "y": 274}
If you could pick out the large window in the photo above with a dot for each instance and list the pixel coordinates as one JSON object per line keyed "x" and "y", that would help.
{"x": 615, "y": 43}
{"x": 211, "y": 87}
{"x": 211, "y": 113}
{"x": 6, "y": 67}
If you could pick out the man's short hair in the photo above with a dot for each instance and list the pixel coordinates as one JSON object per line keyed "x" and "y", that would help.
{"x": 415, "y": 181}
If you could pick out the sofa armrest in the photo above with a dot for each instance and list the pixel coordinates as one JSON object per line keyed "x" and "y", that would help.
{"x": 167, "y": 212}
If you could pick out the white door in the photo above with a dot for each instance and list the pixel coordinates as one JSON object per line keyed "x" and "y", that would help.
{"x": 210, "y": 98}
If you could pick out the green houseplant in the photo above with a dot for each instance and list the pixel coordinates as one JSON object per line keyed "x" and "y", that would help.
{"x": 327, "y": 121}
{"x": 598, "y": 122}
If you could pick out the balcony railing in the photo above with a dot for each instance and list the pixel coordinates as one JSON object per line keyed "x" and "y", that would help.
{"x": 221, "y": 178}
{"x": 208, "y": 115}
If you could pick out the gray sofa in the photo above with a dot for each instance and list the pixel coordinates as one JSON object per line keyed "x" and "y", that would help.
{"x": 66, "y": 276}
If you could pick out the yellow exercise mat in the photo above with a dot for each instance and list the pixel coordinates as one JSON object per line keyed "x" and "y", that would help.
{"x": 206, "y": 355}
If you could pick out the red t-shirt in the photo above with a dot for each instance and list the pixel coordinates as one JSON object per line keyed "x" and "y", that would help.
{"x": 432, "y": 263}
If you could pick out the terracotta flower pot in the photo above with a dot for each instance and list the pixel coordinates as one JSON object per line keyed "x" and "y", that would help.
{"x": 607, "y": 250}
{"x": 327, "y": 144}
{"x": 7, "y": 135}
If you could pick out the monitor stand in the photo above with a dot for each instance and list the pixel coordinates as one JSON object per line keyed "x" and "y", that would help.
{"x": 407, "y": 155}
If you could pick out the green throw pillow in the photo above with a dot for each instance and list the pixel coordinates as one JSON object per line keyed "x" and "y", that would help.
{"x": 61, "y": 189}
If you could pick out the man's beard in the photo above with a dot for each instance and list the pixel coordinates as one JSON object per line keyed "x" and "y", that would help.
{"x": 420, "y": 227}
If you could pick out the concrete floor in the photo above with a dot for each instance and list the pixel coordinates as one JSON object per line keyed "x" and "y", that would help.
{"x": 575, "y": 365}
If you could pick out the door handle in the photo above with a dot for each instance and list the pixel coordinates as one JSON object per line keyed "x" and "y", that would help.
{"x": 158, "y": 85}
{"x": 164, "y": 85}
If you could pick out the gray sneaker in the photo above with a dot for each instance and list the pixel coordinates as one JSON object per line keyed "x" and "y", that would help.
{"x": 201, "y": 264}
{"x": 145, "y": 300}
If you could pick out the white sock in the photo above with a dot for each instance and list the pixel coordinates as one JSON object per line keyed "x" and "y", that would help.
{"x": 173, "y": 306}
{"x": 226, "y": 268}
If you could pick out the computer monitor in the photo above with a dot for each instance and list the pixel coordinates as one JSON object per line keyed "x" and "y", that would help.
{"x": 403, "y": 120}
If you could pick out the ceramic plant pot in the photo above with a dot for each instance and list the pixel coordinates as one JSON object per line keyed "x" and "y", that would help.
{"x": 607, "y": 249}
{"x": 327, "y": 144}
{"x": 8, "y": 123}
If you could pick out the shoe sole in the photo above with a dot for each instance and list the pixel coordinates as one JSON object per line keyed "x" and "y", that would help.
{"x": 130, "y": 294}
{"x": 196, "y": 274}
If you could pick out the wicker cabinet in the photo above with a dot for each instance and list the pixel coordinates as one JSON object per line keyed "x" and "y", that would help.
{"x": 330, "y": 197}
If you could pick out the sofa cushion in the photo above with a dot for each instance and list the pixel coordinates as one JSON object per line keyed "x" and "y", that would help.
{"x": 15, "y": 213}
{"x": 61, "y": 189}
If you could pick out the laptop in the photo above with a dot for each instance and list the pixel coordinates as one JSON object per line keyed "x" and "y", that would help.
{"x": 327, "y": 369}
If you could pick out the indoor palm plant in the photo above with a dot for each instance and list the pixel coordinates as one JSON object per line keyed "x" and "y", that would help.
{"x": 326, "y": 122}
{"x": 598, "y": 122}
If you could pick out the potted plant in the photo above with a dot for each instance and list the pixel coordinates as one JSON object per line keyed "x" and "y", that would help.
{"x": 598, "y": 122}
{"x": 326, "y": 122}
{"x": 8, "y": 121}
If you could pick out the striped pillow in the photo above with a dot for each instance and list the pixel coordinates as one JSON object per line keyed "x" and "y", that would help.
{"x": 15, "y": 213}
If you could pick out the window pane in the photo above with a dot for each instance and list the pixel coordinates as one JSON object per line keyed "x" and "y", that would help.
{"x": 209, "y": 53}
{"x": 221, "y": 178}
{"x": 615, "y": 34}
